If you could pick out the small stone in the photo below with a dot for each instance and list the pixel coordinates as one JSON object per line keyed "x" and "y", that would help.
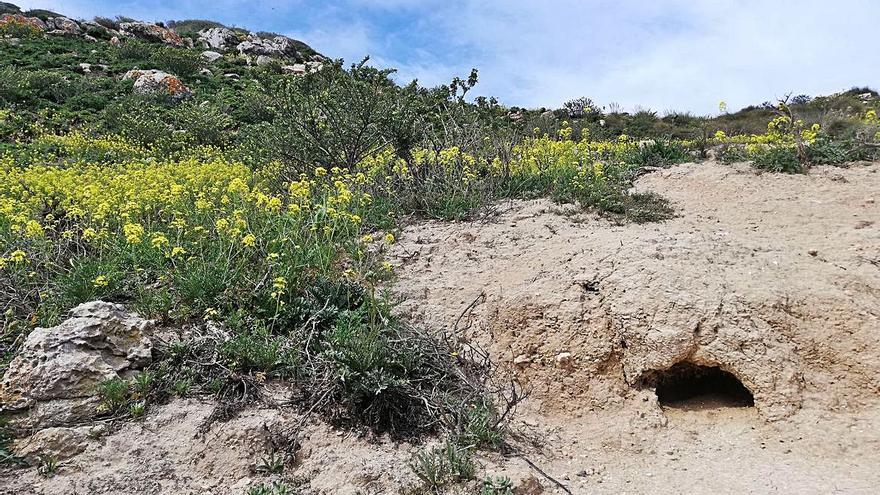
{"x": 813, "y": 252}
{"x": 522, "y": 360}
{"x": 563, "y": 360}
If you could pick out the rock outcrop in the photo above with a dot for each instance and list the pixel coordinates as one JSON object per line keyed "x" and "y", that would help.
{"x": 211, "y": 56}
{"x": 53, "y": 379}
{"x": 151, "y": 32}
{"x": 218, "y": 38}
{"x": 64, "y": 25}
{"x": 278, "y": 47}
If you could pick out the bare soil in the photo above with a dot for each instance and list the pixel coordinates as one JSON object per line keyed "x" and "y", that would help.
{"x": 766, "y": 282}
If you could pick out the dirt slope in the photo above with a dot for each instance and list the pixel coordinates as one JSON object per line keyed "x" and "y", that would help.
{"x": 774, "y": 279}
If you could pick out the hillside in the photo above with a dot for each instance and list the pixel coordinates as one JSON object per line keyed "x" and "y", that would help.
{"x": 230, "y": 264}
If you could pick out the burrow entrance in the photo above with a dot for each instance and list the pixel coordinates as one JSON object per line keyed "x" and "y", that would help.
{"x": 690, "y": 386}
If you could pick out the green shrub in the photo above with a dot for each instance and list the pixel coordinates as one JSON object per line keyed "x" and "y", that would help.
{"x": 831, "y": 152}
{"x": 8, "y": 8}
{"x": 257, "y": 350}
{"x": 778, "y": 159}
{"x": 107, "y": 23}
{"x": 180, "y": 62}
{"x": 133, "y": 50}
{"x": 732, "y": 153}
{"x": 657, "y": 153}
{"x": 205, "y": 123}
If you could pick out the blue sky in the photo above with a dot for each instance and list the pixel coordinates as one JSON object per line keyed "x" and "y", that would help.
{"x": 659, "y": 54}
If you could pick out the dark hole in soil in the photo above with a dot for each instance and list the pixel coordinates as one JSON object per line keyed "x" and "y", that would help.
{"x": 688, "y": 385}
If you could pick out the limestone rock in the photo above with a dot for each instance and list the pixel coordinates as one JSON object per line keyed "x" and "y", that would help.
{"x": 156, "y": 81}
{"x": 151, "y": 32}
{"x": 65, "y": 25}
{"x": 264, "y": 60}
{"x": 58, "y": 443}
{"x": 55, "y": 375}
{"x": 279, "y": 47}
{"x": 218, "y": 38}
{"x": 295, "y": 69}
{"x": 211, "y": 56}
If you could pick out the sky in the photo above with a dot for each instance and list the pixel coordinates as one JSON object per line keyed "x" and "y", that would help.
{"x": 666, "y": 55}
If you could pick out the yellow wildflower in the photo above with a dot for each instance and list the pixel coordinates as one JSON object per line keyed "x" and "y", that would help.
{"x": 133, "y": 232}
{"x": 159, "y": 241}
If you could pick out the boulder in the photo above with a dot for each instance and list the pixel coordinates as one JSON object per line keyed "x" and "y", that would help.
{"x": 20, "y": 19}
{"x": 278, "y": 47}
{"x": 151, "y": 32}
{"x": 314, "y": 66}
{"x": 65, "y": 25}
{"x": 295, "y": 69}
{"x": 211, "y": 56}
{"x": 53, "y": 379}
{"x": 218, "y": 38}
{"x": 264, "y": 60}
{"x": 157, "y": 82}
{"x": 87, "y": 68}
{"x": 57, "y": 443}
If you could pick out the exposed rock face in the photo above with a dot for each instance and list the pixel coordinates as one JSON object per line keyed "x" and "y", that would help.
{"x": 58, "y": 443}
{"x": 151, "y": 32}
{"x": 279, "y": 47}
{"x": 54, "y": 377}
{"x": 218, "y": 38}
{"x": 156, "y": 81}
{"x": 65, "y": 26}
{"x": 22, "y": 19}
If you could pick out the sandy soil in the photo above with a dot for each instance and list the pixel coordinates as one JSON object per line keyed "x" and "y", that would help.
{"x": 774, "y": 279}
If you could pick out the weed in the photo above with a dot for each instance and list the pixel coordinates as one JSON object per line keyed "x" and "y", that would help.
{"x": 138, "y": 409}
{"x": 48, "y": 465}
{"x": 272, "y": 463}
{"x": 114, "y": 394}
{"x": 276, "y": 488}
{"x": 444, "y": 465}
{"x": 181, "y": 387}
{"x": 143, "y": 383}
{"x": 500, "y": 485}
{"x": 479, "y": 426}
